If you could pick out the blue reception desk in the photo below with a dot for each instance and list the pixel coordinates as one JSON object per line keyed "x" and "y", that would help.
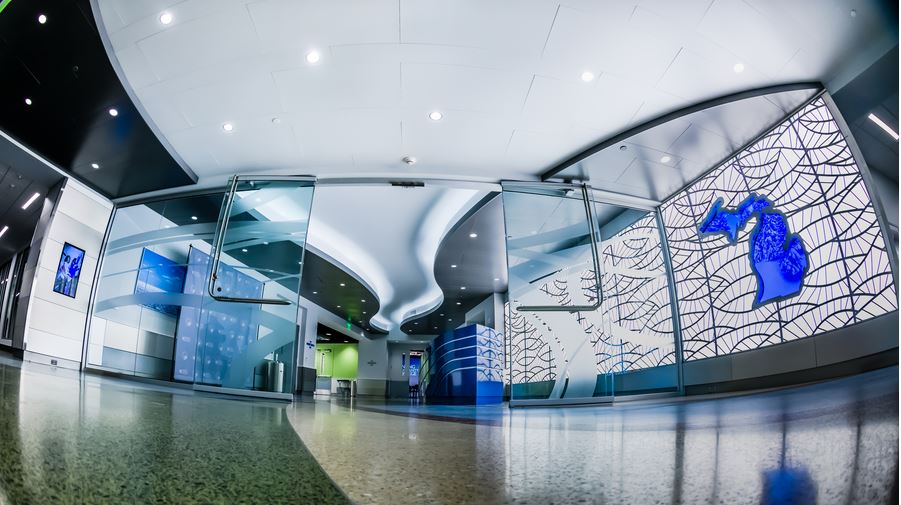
{"x": 466, "y": 366}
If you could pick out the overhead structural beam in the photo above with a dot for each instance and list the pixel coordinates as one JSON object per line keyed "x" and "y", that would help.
{"x": 676, "y": 114}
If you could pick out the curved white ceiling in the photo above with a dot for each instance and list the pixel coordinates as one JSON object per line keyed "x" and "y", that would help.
{"x": 505, "y": 74}
{"x": 389, "y": 236}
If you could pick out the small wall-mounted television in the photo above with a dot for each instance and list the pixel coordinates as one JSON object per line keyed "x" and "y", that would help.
{"x": 69, "y": 270}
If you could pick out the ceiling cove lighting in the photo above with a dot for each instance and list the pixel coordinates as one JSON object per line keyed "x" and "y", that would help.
{"x": 42, "y": 19}
{"x": 113, "y": 112}
{"x": 738, "y": 68}
{"x": 166, "y": 18}
{"x": 313, "y": 57}
{"x": 587, "y": 76}
{"x": 30, "y": 201}
{"x": 435, "y": 115}
{"x": 3, "y": 231}
{"x": 888, "y": 129}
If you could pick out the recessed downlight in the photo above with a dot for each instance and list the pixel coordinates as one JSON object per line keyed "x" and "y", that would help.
{"x": 42, "y": 19}
{"x": 3, "y": 231}
{"x": 28, "y": 101}
{"x": 665, "y": 158}
{"x": 30, "y": 201}
{"x": 166, "y": 18}
{"x": 453, "y": 266}
{"x": 363, "y": 301}
{"x": 435, "y": 115}
{"x": 113, "y": 112}
{"x": 341, "y": 284}
{"x": 463, "y": 288}
{"x": 243, "y": 250}
{"x": 313, "y": 57}
{"x": 338, "y": 306}
{"x": 473, "y": 235}
{"x": 458, "y": 303}
{"x": 95, "y": 166}
{"x": 228, "y": 127}
{"x": 409, "y": 160}
{"x": 587, "y": 76}
{"x": 496, "y": 279}
{"x": 193, "y": 218}
{"x": 738, "y": 68}
{"x": 315, "y": 292}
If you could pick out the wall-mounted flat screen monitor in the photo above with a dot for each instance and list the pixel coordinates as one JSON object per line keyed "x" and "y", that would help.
{"x": 69, "y": 270}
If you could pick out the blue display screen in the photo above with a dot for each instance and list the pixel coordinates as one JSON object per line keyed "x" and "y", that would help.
{"x": 159, "y": 274}
{"x": 69, "y": 270}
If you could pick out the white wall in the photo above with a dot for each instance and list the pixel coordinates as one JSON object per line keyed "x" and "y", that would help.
{"x": 54, "y": 325}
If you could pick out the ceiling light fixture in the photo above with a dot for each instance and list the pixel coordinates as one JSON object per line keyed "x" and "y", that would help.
{"x": 458, "y": 303}
{"x": 473, "y": 235}
{"x": 665, "y": 158}
{"x": 193, "y": 218}
{"x": 42, "y": 19}
{"x": 409, "y": 160}
{"x": 228, "y": 127}
{"x": 738, "y": 68}
{"x": 496, "y": 279}
{"x": 30, "y": 201}
{"x": 463, "y": 288}
{"x": 341, "y": 284}
{"x": 363, "y": 301}
{"x": 587, "y": 76}
{"x": 888, "y": 129}
{"x": 435, "y": 115}
{"x": 315, "y": 292}
{"x": 113, "y": 112}
{"x": 95, "y": 166}
{"x": 3, "y": 231}
{"x": 243, "y": 250}
{"x": 453, "y": 266}
{"x": 28, "y": 101}
{"x": 339, "y": 306}
{"x": 313, "y": 57}
{"x": 166, "y": 18}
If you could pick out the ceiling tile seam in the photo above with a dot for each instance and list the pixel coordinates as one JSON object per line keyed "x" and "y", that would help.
{"x": 666, "y": 70}
{"x": 550, "y": 30}
{"x": 399, "y": 24}
{"x": 679, "y": 136}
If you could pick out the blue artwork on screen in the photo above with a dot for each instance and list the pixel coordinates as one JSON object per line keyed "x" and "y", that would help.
{"x": 69, "y": 270}
{"x": 777, "y": 256}
{"x": 159, "y": 274}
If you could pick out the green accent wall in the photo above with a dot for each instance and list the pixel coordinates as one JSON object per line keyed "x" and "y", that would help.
{"x": 340, "y": 363}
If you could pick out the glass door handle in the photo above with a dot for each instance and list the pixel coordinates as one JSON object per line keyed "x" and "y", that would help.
{"x": 595, "y": 259}
{"x": 218, "y": 240}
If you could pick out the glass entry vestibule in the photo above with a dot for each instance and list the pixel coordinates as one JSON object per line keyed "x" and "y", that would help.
{"x": 204, "y": 289}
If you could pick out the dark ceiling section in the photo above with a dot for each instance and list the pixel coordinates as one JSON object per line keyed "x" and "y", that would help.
{"x": 326, "y": 335}
{"x": 477, "y": 263}
{"x": 21, "y": 176}
{"x": 62, "y": 67}
{"x": 874, "y": 91}
{"x": 321, "y": 281}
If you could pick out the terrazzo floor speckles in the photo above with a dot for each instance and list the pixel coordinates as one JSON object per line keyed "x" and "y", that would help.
{"x": 66, "y": 438}
{"x": 832, "y": 442}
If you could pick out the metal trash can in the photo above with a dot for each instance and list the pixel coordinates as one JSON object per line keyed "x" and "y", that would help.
{"x": 275, "y": 375}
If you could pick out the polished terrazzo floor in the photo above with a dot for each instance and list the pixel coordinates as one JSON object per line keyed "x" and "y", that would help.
{"x": 68, "y": 438}
{"x": 831, "y": 442}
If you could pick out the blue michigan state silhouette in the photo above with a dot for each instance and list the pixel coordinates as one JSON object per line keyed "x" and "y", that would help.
{"x": 777, "y": 256}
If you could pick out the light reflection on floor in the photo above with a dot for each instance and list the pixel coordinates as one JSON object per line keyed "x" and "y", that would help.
{"x": 832, "y": 442}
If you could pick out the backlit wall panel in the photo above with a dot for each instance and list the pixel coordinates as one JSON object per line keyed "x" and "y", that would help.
{"x": 805, "y": 168}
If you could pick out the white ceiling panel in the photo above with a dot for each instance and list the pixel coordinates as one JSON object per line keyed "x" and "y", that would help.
{"x": 505, "y": 74}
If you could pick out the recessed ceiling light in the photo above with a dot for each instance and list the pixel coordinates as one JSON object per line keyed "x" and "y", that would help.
{"x": 166, "y": 18}
{"x": 738, "y": 68}
{"x": 496, "y": 279}
{"x": 313, "y": 57}
{"x": 435, "y": 115}
{"x": 113, "y": 112}
{"x": 458, "y": 303}
{"x": 42, "y": 19}
{"x": 193, "y": 218}
{"x": 473, "y": 235}
{"x": 228, "y": 127}
{"x": 31, "y": 200}
{"x": 665, "y": 158}
{"x": 364, "y": 301}
{"x": 853, "y": 13}
{"x": 4, "y": 230}
{"x": 328, "y": 334}
{"x": 888, "y": 129}
{"x": 409, "y": 160}
{"x": 442, "y": 315}
{"x": 463, "y": 288}
{"x": 416, "y": 323}
{"x": 341, "y": 284}
{"x": 95, "y": 166}
{"x": 243, "y": 250}
{"x": 453, "y": 266}
{"x": 587, "y": 76}
{"x": 265, "y": 243}
{"x": 28, "y": 101}
{"x": 315, "y": 292}
{"x": 364, "y": 311}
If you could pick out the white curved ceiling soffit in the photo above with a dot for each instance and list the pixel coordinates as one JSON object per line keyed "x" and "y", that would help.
{"x": 389, "y": 237}
{"x": 507, "y": 75}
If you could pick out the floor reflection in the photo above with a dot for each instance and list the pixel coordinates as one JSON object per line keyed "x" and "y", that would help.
{"x": 832, "y": 442}
{"x": 67, "y": 438}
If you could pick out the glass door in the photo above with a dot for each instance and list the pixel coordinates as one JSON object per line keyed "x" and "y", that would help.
{"x": 554, "y": 277}
{"x": 247, "y": 326}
